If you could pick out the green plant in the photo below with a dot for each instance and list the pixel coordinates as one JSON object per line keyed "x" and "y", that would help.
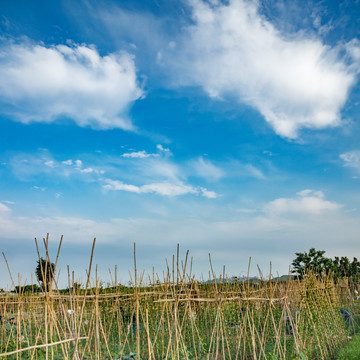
{"x": 351, "y": 351}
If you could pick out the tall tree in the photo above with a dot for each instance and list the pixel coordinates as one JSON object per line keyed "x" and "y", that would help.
{"x": 355, "y": 270}
{"x": 45, "y": 272}
{"x": 314, "y": 261}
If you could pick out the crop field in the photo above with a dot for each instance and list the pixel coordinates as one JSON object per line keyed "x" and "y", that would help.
{"x": 178, "y": 317}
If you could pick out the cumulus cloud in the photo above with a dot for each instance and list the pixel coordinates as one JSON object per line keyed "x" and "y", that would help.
{"x": 163, "y": 188}
{"x": 308, "y": 202}
{"x": 39, "y": 83}
{"x": 293, "y": 81}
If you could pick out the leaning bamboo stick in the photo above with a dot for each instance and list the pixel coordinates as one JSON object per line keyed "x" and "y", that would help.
{"x": 42, "y": 346}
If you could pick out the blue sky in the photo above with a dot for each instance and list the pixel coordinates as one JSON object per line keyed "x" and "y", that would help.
{"x": 227, "y": 127}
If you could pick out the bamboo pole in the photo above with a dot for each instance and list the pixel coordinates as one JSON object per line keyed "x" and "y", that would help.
{"x": 41, "y": 346}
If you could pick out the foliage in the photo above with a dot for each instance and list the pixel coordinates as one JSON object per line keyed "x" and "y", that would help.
{"x": 27, "y": 289}
{"x": 351, "y": 351}
{"x": 344, "y": 268}
{"x": 45, "y": 272}
{"x": 314, "y": 261}
{"x": 76, "y": 286}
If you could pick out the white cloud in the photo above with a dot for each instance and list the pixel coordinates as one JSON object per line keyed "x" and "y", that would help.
{"x": 254, "y": 171}
{"x": 8, "y": 202}
{"x": 206, "y": 169}
{"x": 231, "y": 242}
{"x": 353, "y": 49}
{"x": 294, "y": 81}
{"x": 235, "y": 168}
{"x": 87, "y": 170}
{"x": 208, "y": 194}
{"x": 168, "y": 189}
{"x": 351, "y": 158}
{"x": 161, "y": 188}
{"x": 160, "y": 168}
{"x": 35, "y": 187}
{"x": 304, "y": 192}
{"x": 309, "y": 192}
{"x": 78, "y": 167}
{"x": 4, "y": 209}
{"x": 143, "y": 154}
{"x": 138, "y": 154}
{"x": 246, "y": 211}
{"x": 67, "y": 162}
{"x": 44, "y": 83}
{"x": 78, "y": 163}
{"x": 309, "y": 202}
{"x": 118, "y": 185}
{"x": 31, "y": 166}
{"x": 161, "y": 148}
{"x": 49, "y": 163}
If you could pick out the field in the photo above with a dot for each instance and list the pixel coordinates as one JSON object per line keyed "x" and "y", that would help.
{"x": 178, "y": 317}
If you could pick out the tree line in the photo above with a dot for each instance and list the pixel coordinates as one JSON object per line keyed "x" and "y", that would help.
{"x": 314, "y": 261}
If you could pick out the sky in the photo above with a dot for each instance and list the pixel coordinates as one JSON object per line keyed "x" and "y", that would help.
{"x": 227, "y": 127}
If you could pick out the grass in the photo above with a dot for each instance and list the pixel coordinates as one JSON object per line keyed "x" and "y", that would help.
{"x": 351, "y": 351}
{"x": 178, "y": 317}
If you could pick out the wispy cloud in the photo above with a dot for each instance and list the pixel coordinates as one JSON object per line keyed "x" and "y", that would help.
{"x": 30, "y": 166}
{"x": 49, "y": 163}
{"x": 41, "y": 84}
{"x": 4, "y": 208}
{"x": 293, "y": 81}
{"x": 157, "y": 172}
{"x": 208, "y": 194}
{"x": 206, "y": 169}
{"x": 38, "y": 188}
{"x": 231, "y": 242}
{"x": 351, "y": 158}
{"x": 138, "y": 154}
{"x": 161, "y": 168}
{"x": 8, "y": 202}
{"x": 235, "y": 168}
{"x": 143, "y": 154}
{"x": 67, "y": 162}
{"x": 164, "y": 188}
{"x": 77, "y": 165}
{"x": 162, "y": 149}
